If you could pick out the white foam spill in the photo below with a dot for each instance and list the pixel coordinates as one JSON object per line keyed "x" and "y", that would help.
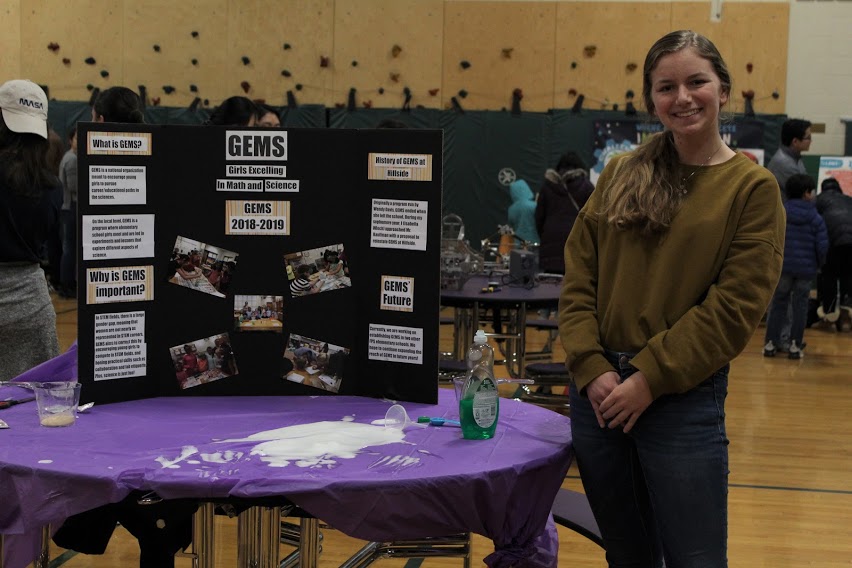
{"x": 222, "y": 457}
{"x": 320, "y": 444}
{"x": 185, "y": 452}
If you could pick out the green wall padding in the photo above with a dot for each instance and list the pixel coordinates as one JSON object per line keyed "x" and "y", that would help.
{"x": 483, "y": 152}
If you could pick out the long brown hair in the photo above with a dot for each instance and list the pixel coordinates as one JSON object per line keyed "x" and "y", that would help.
{"x": 641, "y": 194}
{"x": 23, "y": 163}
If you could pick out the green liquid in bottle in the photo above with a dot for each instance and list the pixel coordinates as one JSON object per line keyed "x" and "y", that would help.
{"x": 479, "y": 406}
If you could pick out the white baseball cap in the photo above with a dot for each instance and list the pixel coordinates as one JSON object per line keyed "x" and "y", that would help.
{"x": 24, "y": 106}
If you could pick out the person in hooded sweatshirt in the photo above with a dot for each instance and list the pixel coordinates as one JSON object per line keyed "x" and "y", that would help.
{"x": 836, "y": 210}
{"x": 566, "y": 189}
{"x": 805, "y": 248}
{"x": 522, "y": 211}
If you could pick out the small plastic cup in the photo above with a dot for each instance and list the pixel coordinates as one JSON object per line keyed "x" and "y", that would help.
{"x": 458, "y": 385}
{"x": 57, "y": 403}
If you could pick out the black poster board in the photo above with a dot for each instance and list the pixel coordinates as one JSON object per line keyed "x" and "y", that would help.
{"x": 169, "y": 278}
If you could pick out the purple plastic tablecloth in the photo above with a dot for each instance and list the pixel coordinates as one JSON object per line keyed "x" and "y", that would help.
{"x": 433, "y": 483}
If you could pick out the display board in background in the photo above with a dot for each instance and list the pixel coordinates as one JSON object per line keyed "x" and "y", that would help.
{"x": 614, "y": 137}
{"x": 839, "y": 168}
{"x": 232, "y": 261}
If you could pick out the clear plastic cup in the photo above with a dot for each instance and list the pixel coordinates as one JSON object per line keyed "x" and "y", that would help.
{"x": 57, "y": 403}
{"x": 458, "y": 385}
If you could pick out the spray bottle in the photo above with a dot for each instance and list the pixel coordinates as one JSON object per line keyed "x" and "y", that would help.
{"x": 479, "y": 403}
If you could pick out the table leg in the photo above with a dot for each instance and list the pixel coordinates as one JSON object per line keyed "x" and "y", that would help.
{"x": 308, "y": 543}
{"x": 459, "y": 321}
{"x": 202, "y": 537}
{"x": 43, "y": 560}
{"x": 270, "y": 540}
{"x": 258, "y": 537}
{"x": 248, "y": 538}
{"x": 465, "y": 324}
{"x": 2, "y": 552}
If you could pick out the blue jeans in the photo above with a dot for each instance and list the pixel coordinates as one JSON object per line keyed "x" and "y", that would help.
{"x": 792, "y": 292}
{"x": 660, "y": 491}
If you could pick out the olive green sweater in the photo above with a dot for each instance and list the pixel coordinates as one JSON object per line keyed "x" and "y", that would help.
{"x": 686, "y": 301}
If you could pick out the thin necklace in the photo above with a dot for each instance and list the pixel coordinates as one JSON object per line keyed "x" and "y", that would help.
{"x": 683, "y": 181}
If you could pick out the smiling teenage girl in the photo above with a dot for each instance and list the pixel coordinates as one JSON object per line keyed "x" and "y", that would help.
{"x": 668, "y": 270}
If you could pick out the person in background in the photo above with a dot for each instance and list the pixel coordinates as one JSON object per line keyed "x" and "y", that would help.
{"x": 306, "y": 353}
{"x": 68, "y": 177}
{"x": 52, "y": 252}
{"x": 215, "y": 275}
{"x": 189, "y": 360}
{"x": 30, "y": 201}
{"x": 805, "y": 247}
{"x": 268, "y": 116}
{"x": 235, "y": 111}
{"x": 203, "y": 363}
{"x": 668, "y": 270}
{"x": 299, "y": 374}
{"x": 522, "y": 211}
{"x": 334, "y": 266}
{"x": 836, "y": 210}
{"x": 180, "y": 374}
{"x": 188, "y": 271}
{"x": 215, "y": 360}
{"x": 302, "y": 285}
{"x": 118, "y": 104}
{"x": 566, "y": 189}
{"x": 227, "y": 274}
{"x": 787, "y": 160}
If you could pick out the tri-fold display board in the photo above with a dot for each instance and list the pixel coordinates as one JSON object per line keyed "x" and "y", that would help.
{"x": 233, "y": 261}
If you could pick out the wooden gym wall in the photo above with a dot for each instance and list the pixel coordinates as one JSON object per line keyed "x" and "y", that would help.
{"x": 538, "y": 47}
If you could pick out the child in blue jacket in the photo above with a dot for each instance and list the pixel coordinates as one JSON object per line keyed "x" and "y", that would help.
{"x": 805, "y": 247}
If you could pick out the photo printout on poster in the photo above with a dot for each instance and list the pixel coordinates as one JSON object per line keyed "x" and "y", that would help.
{"x": 117, "y": 185}
{"x": 119, "y": 284}
{"x": 399, "y": 224}
{"x": 118, "y": 236}
{"x": 396, "y": 343}
{"x": 402, "y": 167}
{"x": 120, "y": 348}
{"x": 119, "y": 144}
{"x": 397, "y": 293}
{"x": 267, "y": 218}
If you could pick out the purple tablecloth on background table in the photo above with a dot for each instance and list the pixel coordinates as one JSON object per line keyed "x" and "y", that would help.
{"x": 433, "y": 483}
{"x": 542, "y": 293}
